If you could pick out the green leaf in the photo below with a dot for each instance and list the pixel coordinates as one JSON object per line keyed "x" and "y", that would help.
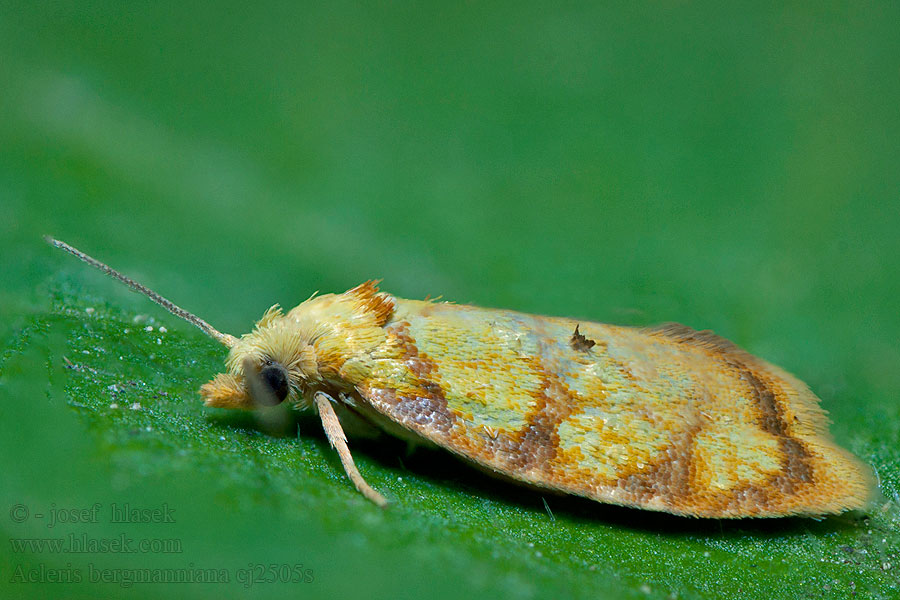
{"x": 106, "y": 412}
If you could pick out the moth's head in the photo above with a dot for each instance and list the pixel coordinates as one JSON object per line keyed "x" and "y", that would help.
{"x": 273, "y": 363}
{"x": 287, "y": 356}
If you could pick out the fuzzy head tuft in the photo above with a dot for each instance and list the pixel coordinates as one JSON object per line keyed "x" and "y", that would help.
{"x": 315, "y": 346}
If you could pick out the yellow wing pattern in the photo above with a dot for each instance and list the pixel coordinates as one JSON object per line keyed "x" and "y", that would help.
{"x": 665, "y": 419}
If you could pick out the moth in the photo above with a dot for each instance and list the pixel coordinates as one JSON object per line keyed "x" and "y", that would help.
{"x": 663, "y": 418}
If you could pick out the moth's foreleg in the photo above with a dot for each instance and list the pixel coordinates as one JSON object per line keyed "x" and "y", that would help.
{"x": 335, "y": 434}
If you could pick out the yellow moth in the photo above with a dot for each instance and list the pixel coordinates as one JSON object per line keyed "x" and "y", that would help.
{"x": 665, "y": 418}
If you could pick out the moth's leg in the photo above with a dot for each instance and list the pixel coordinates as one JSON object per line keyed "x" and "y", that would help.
{"x": 338, "y": 440}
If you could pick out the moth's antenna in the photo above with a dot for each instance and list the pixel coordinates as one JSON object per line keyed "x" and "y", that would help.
{"x": 222, "y": 338}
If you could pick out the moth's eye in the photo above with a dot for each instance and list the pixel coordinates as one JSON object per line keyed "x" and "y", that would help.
{"x": 275, "y": 378}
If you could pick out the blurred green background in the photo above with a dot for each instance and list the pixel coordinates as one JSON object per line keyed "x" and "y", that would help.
{"x": 729, "y": 166}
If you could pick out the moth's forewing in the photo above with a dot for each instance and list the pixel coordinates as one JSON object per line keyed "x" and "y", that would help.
{"x": 666, "y": 419}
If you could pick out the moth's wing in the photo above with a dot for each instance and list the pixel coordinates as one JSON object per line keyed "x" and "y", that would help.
{"x": 666, "y": 419}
